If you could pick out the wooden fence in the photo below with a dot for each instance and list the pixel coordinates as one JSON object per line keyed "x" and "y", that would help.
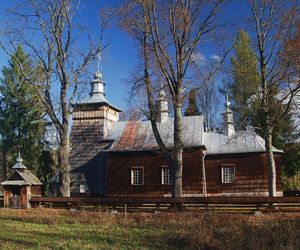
{"x": 218, "y": 204}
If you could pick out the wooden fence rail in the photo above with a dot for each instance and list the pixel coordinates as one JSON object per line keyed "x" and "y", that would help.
{"x": 226, "y": 204}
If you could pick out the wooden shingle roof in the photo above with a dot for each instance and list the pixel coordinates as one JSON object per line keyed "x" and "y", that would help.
{"x": 22, "y": 177}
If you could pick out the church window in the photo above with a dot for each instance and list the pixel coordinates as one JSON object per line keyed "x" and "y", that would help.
{"x": 228, "y": 173}
{"x": 137, "y": 176}
{"x": 82, "y": 188}
{"x": 165, "y": 175}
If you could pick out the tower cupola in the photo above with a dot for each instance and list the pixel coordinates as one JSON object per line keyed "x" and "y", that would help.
{"x": 97, "y": 84}
{"x": 19, "y": 165}
{"x": 94, "y": 116}
{"x": 228, "y": 124}
{"x": 162, "y": 111}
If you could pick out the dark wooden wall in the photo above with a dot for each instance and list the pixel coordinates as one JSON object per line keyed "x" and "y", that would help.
{"x": 36, "y": 190}
{"x": 119, "y": 174}
{"x": 251, "y": 174}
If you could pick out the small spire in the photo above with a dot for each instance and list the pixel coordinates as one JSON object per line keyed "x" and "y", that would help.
{"x": 19, "y": 164}
{"x": 162, "y": 93}
{"x": 227, "y": 104}
{"x": 19, "y": 158}
{"x": 98, "y": 74}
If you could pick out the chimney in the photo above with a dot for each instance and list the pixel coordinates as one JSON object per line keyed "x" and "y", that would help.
{"x": 228, "y": 119}
{"x": 162, "y": 112}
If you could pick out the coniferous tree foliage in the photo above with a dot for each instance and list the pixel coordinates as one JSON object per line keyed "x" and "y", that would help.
{"x": 245, "y": 85}
{"x": 291, "y": 164}
{"x": 21, "y": 126}
{"x": 192, "y": 108}
{"x": 245, "y": 80}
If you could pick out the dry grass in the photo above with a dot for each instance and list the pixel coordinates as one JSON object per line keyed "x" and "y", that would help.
{"x": 62, "y": 229}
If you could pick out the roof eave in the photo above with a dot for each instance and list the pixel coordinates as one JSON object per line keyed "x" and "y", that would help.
{"x": 243, "y": 152}
{"x": 150, "y": 149}
{"x": 98, "y": 103}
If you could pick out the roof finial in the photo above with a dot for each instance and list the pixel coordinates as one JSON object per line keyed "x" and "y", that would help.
{"x": 98, "y": 74}
{"x": 227, "y": 104}
{"x": 19, "y": 158}
{"x": 162, "y": 92}
{"x": 19, "y": 164}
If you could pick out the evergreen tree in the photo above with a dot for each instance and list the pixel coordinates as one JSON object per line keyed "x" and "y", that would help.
{"x": 192, "y": 108}
{"x": 291, "y": 163}
{"x": 21, "y": 127}
{"x": 245, "y": 79}
{"x": 245, "y": 85}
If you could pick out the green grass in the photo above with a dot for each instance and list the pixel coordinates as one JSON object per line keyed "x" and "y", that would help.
{"x": 62, "y": 229}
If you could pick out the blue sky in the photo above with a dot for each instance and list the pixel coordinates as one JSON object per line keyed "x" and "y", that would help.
{"x": 121, "y": 58}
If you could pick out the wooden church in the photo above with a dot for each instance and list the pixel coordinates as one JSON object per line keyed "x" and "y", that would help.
{"x": 112, "y": 158}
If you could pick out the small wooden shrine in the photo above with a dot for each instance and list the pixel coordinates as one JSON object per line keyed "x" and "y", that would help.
{"x": 20, "y": 186}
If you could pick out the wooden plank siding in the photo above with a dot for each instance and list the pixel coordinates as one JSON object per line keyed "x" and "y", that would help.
{"x": 119, "y": 166}
{"x": 251, "y": 174}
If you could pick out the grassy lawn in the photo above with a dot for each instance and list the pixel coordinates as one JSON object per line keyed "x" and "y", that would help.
{"x": 62, "y": 229}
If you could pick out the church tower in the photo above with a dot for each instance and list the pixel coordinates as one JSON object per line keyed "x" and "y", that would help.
{"x": 95, "y": 115}
{"x": 92, "y": 120}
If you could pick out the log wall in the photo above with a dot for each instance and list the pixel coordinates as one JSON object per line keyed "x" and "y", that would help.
{"x": 251, "y": 174}
{"x": 119, "y": 174}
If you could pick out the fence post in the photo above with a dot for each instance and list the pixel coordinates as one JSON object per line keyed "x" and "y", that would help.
{"x": 125, "y": 211}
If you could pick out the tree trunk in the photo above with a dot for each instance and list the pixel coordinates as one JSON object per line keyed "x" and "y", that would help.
{"x": 271, "y": 165}
{"x": 177, "y": 153}
{"x": 64, "y": 168}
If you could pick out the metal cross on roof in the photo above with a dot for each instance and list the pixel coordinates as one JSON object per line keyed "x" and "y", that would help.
{"x": 99, "y": 61}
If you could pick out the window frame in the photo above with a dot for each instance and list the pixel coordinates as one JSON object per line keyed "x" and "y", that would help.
{"x": 132, "y": 173}
{"x": 224, "y": 166}
{"x": 165, "y": 167}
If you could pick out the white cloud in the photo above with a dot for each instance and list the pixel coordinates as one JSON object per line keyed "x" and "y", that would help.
{"x": 215, "y": 57}
{"x": 201, "y": 60}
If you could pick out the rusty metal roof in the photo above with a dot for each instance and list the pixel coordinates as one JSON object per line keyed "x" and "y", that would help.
{"x": 138, "y": 135}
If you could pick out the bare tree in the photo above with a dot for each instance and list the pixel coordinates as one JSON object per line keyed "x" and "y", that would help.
{"x": 209, "y": 101}
{"x": 272, "y": 22}
{"x": 48, "y": 29}
{"x": 168, "y": 33}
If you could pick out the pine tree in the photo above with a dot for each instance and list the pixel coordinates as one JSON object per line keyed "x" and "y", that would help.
{"x": 192, "y": 108}
{"x": 245, "y": 79}
{"x": 21, "y": 127}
